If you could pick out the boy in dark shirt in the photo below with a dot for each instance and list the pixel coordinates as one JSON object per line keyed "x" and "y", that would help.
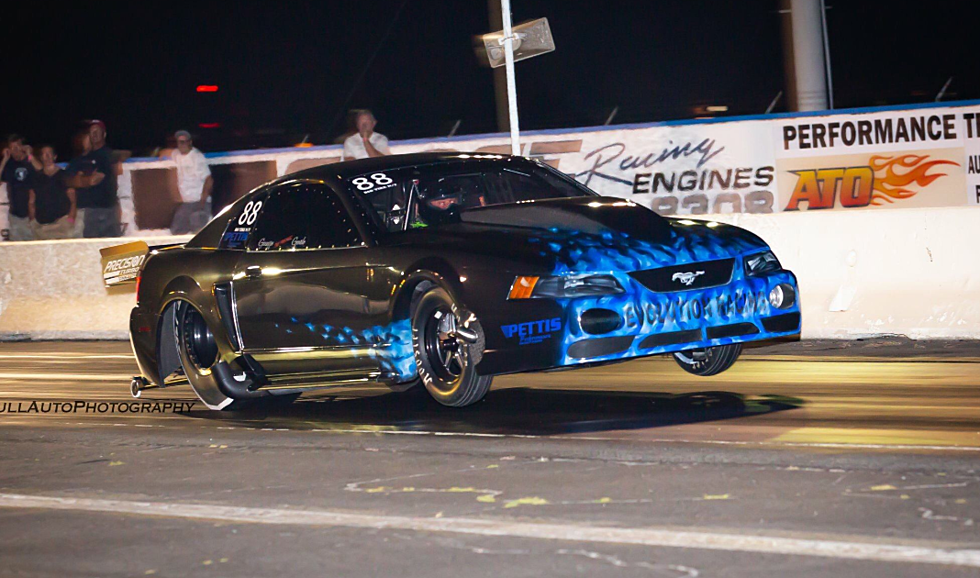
{"x": 52, "y": 203}
{"x": 93, "y": 176}
{"x": 16, "y": 168}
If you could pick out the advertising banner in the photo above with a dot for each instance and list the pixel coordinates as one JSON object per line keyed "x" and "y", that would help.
{"x": 926, "y": 156}
{"x": 895, "y": 159}
{"x": 675, "y": 170}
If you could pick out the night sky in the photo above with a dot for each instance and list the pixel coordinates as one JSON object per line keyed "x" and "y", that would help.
{"x": 285, "y": 69}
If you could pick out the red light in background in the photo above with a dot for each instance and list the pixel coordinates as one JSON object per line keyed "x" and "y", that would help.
{"x": 210, "y": 125}
{"x": 207, "y": 88}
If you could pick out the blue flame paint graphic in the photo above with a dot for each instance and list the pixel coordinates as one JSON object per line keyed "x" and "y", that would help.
{"x": 644, "y": 312}
{"x": 390, "y": 345}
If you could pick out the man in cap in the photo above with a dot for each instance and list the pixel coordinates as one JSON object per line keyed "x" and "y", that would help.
{"x": 194, "y": 183}
{"x": 93, "y": 176}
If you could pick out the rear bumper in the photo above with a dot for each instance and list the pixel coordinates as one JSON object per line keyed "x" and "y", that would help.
{"x": 650, "y": 323}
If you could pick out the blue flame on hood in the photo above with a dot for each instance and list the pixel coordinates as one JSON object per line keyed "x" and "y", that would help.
{"x": 612, "y": 251}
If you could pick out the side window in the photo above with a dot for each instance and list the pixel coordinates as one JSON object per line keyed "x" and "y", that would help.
{"x": 510, "y": 185}
{"x": 387, "y": 192}
{"x": 303, "y": 217}
{"x": 244, "y": 215}
{"x": 443, "y": 196}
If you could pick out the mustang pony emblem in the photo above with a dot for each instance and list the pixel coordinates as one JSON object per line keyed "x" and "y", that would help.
{"x": 687, "y": 277}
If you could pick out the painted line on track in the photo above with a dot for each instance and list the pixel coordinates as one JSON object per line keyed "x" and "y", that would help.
{"x": 648, "y": 536}
{"x": 827, "y": 445}
{"x": 68, "y": 376}
{"x": 560, "y": 437}
{"x": 59, "y": 356}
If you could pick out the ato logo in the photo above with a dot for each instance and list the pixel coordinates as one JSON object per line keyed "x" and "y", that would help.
{"x": 883, "y": 181}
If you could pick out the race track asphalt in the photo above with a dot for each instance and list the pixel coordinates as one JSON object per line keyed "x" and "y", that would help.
{"x": 806, "y": 459}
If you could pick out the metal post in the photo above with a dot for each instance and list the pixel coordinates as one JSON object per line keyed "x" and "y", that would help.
{"x": 806, "y": 70}
{"x": 499, "y": 74}
{"x": 942, "y": 91}
{"x": 515, "y": 144}
{"x": 611, "y": 116}
{"x": 826, "y": 54}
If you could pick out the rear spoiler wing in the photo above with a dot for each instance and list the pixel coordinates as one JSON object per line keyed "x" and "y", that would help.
{"x": 121, "y": 264}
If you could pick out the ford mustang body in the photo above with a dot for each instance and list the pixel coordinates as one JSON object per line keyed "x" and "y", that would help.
{"x": 445, "y": 270}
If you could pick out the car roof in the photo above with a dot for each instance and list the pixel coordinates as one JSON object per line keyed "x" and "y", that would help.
{"x": 347, "y": 169}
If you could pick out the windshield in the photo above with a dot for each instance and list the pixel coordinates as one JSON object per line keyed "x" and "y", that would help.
{"x": 433, "y": 195}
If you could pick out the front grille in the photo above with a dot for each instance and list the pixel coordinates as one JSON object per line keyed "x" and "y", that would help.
{"x": 782, "y": 323}
{"x": 671, "y": 338}
{"x": 733, "y": 330}
{"x": 686, "y": 277}
{"x": 599, "y": 347}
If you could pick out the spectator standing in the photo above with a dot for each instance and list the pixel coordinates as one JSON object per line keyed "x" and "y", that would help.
{"x": 365, "y": 142}
{"x": 93, "y": 176}
{"x": 16, "y": 168}
{"x": 52, "y": 203}
{"x": 194, "y": 183}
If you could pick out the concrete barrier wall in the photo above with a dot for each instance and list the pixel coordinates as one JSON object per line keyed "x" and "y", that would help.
{"x": 861, "y": 273}
{"x": 53, "y": 290}
{"x": 914, "y": 273}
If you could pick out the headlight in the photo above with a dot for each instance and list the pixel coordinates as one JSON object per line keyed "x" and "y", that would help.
{"x": 568, "y": 286}
{"x": 761, "y": 263}
{"x": 782, "y": 296}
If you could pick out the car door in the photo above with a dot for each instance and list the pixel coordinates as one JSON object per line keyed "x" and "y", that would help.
{"x": 303, "y": 287}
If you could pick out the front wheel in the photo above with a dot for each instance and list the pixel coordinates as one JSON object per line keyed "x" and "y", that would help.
{"x": 709, "y": 360}
{"x": 446, "y": 351}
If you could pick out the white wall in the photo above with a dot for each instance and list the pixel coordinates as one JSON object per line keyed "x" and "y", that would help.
{"x": 53, "y": 290}
{"x": 861, "y": 273}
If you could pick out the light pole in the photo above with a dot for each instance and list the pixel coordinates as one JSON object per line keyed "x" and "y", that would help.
{"x": 508, "y": 39}
{"x": 511, "y": 45}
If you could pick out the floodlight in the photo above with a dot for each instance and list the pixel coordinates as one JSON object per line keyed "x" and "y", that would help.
{"x": 530, "y": 39}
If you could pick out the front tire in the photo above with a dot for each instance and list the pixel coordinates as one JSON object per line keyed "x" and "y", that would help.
{"x": 710, "y": 360}
{"x": 447, "y": 362}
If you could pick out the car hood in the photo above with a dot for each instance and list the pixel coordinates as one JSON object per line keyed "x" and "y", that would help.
{"x": 588, "y": 234}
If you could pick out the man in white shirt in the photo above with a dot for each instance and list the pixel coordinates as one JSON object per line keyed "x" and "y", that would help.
{"x": 194, "y": 184}
{"x": 365, "y": 142}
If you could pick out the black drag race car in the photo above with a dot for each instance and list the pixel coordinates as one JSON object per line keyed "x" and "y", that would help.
{"x": 444, "y": 269}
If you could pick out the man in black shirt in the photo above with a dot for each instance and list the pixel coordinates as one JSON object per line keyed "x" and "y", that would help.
{"x": 16, "y": 168}
{"x": 93, "y": 176}
{"x": 52, "y": 204}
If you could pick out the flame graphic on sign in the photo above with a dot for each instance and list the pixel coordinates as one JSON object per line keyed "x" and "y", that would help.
{"x": 892, "y": 184}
